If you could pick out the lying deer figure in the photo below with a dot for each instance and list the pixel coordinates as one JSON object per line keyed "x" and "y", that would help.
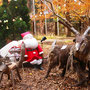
{"x": 7, "y": 68}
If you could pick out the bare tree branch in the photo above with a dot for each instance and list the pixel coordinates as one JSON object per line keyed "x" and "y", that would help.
{"x": 72, "y": 29}
{"x": 82, "y": 1}
{"x": 52, "y": 10}
{"x": 86, "y": 32}
{"x": 62, "y": 20}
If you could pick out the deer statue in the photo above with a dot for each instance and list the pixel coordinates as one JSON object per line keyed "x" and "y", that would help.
{"x": 8, "y": 67}
{"x": 58, "y": 56}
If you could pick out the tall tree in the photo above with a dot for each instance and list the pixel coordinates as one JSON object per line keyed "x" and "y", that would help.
{"x": 41, "y": 14}
{"x": 14, "y": 19}
{"x": 74, "y": 10}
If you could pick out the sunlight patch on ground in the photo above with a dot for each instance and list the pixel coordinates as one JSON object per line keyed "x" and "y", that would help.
{"x": 39, "y": 37}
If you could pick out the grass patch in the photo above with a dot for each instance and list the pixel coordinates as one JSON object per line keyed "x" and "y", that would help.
{"x": 39, "y": 37}
{"x": 68, "y": 41}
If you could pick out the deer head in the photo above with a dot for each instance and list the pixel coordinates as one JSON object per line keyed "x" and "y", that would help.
{"x": 81, "y": 39}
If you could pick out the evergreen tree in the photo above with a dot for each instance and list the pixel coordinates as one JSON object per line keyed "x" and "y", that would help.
{"x": 14, "y": 19}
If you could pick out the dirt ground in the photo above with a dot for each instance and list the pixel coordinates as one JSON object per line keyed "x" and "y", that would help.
{"x": 33, "y": 79}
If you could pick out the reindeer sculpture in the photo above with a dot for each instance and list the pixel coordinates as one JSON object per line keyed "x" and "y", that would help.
{"x": 81, "y": 55}
{"x": 7, "y": 68}
{"x": 58, "y": 57}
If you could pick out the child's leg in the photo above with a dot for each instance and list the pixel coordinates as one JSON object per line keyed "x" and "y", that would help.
{"x": 39, "y": 64}
{"x": 27, "y": 64}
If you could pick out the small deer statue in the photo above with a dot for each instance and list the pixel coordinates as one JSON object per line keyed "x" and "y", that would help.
{"x": 8, "y": 67}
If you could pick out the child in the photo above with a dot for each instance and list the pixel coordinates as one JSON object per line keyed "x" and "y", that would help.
{"x": 33, "y": 51}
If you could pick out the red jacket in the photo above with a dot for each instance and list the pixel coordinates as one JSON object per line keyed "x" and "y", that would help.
{"x": 33, "y": 54}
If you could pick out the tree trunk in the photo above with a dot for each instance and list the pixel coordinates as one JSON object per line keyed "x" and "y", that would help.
{"x": 68, "y": 18}
{"x": 5, "y": 1}
{"x": 45, "y": 21}
{"x": 68, "y": 34}
{"x": 28, "y": 4}
{"x": 55, "y": 28}
{"x": 35, "y": 17}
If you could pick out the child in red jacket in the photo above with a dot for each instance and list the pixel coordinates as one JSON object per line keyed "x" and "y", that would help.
{"x": 33, "y": 51}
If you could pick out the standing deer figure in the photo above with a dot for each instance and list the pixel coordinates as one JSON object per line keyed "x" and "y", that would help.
{"x": 81, "y": 55}
{"x": 58, "y": 57}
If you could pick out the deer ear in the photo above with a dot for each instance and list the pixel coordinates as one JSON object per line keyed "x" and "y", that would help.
{"x": 74, "y": 40}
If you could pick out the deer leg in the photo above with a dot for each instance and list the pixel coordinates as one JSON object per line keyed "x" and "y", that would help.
{"x": 63, "y": 72}
{"x": 49, "y": 69}
{"x": 18, "y": 74}
{"x": 89, "y": 70}
{"x": 53, "y": 63}
{"x": 1, "y": 76}
{"x": 12, "y": 79}
{"x": 80, "y": 74}
{"x": 8, "y": 76}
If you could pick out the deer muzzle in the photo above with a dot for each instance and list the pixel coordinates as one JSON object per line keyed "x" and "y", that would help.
{"x": 77, "y": 46}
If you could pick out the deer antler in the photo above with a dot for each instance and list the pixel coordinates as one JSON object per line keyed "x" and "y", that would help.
{"x": 86, "y": 31}
{"x": 62, "y": 20}
{"x": 22, "y": 55}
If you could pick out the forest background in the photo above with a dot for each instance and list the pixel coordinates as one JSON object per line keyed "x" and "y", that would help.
{"x": 17, "y": 16}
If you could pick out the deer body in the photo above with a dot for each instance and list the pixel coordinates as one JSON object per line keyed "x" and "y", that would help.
{"x": 7, "y": 68}
{"x": 81, "y": 55}
{"x": 58, "y": 57}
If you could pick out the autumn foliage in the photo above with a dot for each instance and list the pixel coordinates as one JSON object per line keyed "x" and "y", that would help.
{"x": 77, "y": 9}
